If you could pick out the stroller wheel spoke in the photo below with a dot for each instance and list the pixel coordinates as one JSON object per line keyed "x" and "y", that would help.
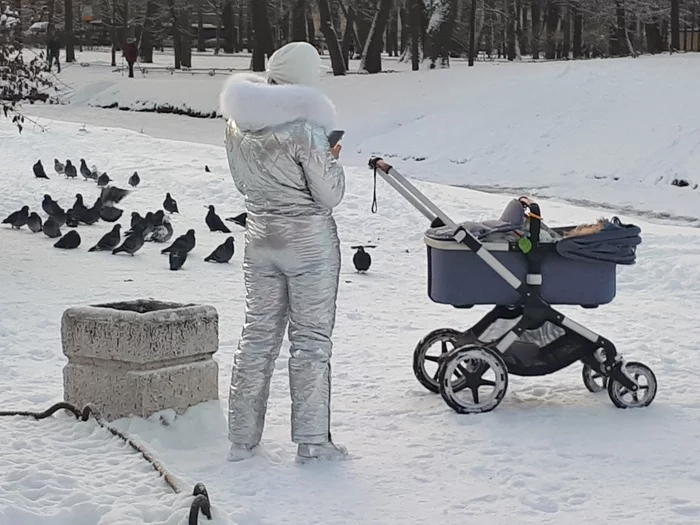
{"x": 475, "y": 394}
{"x": 432, "y": 358}
{"x": 486, "y": 382}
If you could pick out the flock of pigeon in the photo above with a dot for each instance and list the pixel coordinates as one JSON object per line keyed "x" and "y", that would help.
{"x": 153, "y": 227}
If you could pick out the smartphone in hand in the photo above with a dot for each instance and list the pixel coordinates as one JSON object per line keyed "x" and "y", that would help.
{"x": 335, "y": 136}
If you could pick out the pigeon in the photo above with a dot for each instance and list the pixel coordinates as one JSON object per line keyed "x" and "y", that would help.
{"x": 39, "y": 172}
{"x": 51, "y": 228}
{"x": 103, "y": 180}
{"x": 112, "y": 195}
{"x": 361, "y": 259}
{"x": 49, "y": 205}
{"x": 206, "y": 168}
{"x": 162, "y": 232}
{"x": 85, "y": 171}
{"x": 59, "y": 215}
{"x": 135, "y": 218}
{"x": 177, "y": 259}
{"x": 214, "y": 221}
{"x": 69, "y": 241}
{"x": 110, "y": 213}
{"x": 71, "y": 219}
{"x": 131, "y": 244}
{"x": 169, "y": 204}
{"x": 222, "y": 253}
{"x": 134, "y": 180}
{"x": 70, "y": 170}
{"x": 58, "y": 167}
{"x": 91, "y": 215}
{"x": 18, "y": 219}
{"x": 239, "y": 219}
{"x": 79, "y": 205}
{"x": 145, "y": 227}
{"x": 109, "y": 240}
{"x": 34, "y": 222}
{"x": 184, "y": 243}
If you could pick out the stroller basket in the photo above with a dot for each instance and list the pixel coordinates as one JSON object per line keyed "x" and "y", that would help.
{"x": 458, "y": 277}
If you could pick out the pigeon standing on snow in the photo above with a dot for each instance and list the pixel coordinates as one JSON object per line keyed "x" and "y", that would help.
{"x": 145, "y": 226}
{"x": 131, "y": 244}
{"x": 85, "y": 171}
{"x": 58, "y": 167}
{"x": 239, "y": 219}
{"x": 214, "y": 221}
{"x": 18, "y": 219}
{"x": 71, "y": 219}
{"x": 177, "y": 259}
{"x": 134, "y": 180}
{"x": 361, "y": 259}
{"x": 110, "y": 213}
{"x": 38, "y": 169}
{"x": 34, "y": 222}
{"x": 223, "y": 252}
{"x": 70, "y": 170}
{"x": 51, "y": 228}
{"x": 135, "y": 218}
{"x": 163, "y": 229}
{"x": 169, "y": 204}
{"x": 103, "y": 180}
{"x": 184, "y": 243}
{"x": 109, "y": 240}
{"x": 69, "y": 241}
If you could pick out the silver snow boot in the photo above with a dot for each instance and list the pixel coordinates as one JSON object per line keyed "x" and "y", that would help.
{"x": 328, "y": 451}
{"x": 239, "y": 452}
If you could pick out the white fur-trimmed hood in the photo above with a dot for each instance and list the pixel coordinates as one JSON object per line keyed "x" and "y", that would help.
{"x": 253, "y": 104}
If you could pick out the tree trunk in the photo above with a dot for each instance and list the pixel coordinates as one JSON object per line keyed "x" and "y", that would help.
{"x": 347, "y": 36}
{"x": 566, "y": 30}
{"x": 472, "y": 33}
{"x": 201, "y": 44}
{"x": 146, "y": 40}
{"x": 112, "y": 32}
{"x": 186, "y": 39}
{"x": 393, "y": 33}
{"x": 175, "y": 28}
{"x": 675, "y": 26}
{"x": 217, "y": 31}
{"x": 536, "y": 17}
{"x": 415, "y": 7}
{"x": 299, "y": 26}
{"x": 405, "y": 31}
{"x": 440, "y": 34}
{"x": 552, "y": 22}
{"x": 229, "y": 33}
{"x": 68, "y": 30}
{"x": 578, "y": 31}
{"x": 263, "y": 43}
{"x": 619, "y": 47}
{"x": 334, "y": 49}
{"x": 510, "y": 29}
{"x": 311, "y": 29}
{"x": 372, "y": 54}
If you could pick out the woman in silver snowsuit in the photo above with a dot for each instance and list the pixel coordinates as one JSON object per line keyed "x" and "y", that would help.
{"x": 281, "y": 161}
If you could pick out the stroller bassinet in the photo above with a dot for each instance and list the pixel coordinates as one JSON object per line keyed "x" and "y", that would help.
{"x": 522, "y": 267}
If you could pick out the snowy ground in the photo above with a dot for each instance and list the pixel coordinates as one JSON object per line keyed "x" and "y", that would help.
{"x": 552, "y": 453}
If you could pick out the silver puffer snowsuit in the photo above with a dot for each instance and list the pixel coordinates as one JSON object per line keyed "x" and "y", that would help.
{"x": 280, "y": 161}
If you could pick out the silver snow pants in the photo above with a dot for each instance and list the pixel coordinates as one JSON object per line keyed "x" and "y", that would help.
{"x": 291, "y": 267}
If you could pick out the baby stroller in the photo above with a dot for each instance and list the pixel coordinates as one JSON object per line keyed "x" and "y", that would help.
{"x": 522, "y": 270}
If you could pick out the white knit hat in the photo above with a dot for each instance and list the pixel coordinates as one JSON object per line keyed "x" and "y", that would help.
{"x": 295, "y": 63}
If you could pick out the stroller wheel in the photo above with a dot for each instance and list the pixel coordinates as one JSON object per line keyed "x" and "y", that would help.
{"x": 483, "y": 379}
{"x": 592, "y": 380}
{"x": 426, "y": 363}
{"x": 622, "y": 397}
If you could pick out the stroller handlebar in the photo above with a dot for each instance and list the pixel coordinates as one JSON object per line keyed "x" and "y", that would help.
{"x": 534, "y": 216}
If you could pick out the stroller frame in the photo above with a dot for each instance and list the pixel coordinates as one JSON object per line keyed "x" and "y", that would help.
{"x": 463, "y": 367}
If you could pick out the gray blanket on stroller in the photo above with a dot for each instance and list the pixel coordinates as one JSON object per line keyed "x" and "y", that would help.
{"x": 616, "y": 243}
{"x": 511, "y": 219}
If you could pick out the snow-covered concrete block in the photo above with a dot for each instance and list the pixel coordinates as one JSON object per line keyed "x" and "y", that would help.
{"x": 140, "y": 357}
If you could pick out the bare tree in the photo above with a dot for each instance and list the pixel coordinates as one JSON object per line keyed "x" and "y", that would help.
{"x": 68, "y": 30}
{"x": 328, "y": 31}
{"x": 263, "y": 43}
{"x": 372, "y": 54}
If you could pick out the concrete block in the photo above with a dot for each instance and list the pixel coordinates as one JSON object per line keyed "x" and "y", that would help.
{"x": 140, "y": 357}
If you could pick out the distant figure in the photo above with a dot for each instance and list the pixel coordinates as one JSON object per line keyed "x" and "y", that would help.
{"x": 131, "y": 53}
{"x": 53, "y": 50}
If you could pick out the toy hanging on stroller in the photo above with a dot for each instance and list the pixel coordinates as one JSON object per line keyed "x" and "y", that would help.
{"x": 522, "y": 270}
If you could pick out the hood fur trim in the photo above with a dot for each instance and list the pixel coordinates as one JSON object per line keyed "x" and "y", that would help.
{"x": 253, "y": 104}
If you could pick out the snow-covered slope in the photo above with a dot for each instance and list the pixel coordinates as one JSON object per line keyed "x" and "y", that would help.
{"x": 552, "y": 453}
